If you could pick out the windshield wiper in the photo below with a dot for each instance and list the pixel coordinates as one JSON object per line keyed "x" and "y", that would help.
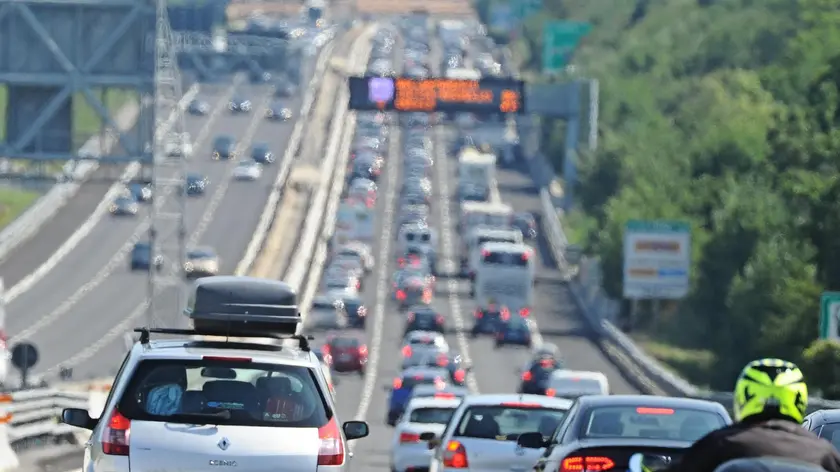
{"x": 219, "y": 415}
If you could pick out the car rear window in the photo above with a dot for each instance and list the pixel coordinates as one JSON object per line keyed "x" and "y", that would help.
{"x": 225, "y": 392}
{"x": 650, "y": 423}
{"x": 566, "y": 386}
{"x": 506, "y": 422}
{"x": 343, "y": 343}
{"x": 431, "y": 415}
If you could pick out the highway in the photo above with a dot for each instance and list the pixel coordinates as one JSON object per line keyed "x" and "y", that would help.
{"x": 79, "y": 303}
{"x": 494, "y": 371}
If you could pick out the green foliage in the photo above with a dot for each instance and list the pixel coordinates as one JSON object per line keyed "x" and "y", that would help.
{"x": 821, "y": 366}
{"x": 724, "y": 114}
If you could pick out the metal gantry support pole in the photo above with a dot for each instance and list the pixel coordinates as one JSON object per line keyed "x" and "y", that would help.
{"x": 167, "y": 229}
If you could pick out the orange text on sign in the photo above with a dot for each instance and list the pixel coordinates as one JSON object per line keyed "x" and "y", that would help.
{"x": 423, "y": 95}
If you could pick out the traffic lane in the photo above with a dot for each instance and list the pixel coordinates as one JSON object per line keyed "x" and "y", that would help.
{"x": 559, "y": 318}
{"x": 231, "y": 230}
{"x": 87, "y": 260}
{"x": 122, "y": 291}
{"x": 27, "y": 257}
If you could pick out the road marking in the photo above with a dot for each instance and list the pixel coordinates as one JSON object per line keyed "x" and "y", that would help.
{"x": 218, "y": 196}
{"x": 87, "y": 226}
{"x": 276, "y": 249}
{"x": 118, "y": 259}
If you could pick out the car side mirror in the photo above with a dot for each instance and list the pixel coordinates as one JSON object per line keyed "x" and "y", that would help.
{"x": 355, "y": 429}
{"x": 531, "y": 440}
{"x": 78, "y": 417}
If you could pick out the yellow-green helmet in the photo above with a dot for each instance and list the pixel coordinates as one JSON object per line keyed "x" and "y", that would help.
{"x": 771, "y": 385}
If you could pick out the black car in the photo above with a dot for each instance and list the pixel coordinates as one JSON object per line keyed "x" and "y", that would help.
{"x": 141, "y": 257}
{"x": 535, "y": 376}
{"x": 515, "y": 330}
{"x": 196, "y": 184}
{"x": 284, "y": 89}
{"x": 224, "y": 147}
{"x": 278, "y": 112}
{"x": 262, "y": 153}
{"x": 199, "y": 108}
{"x": 355, "y": 311}
{"x": 527, "y": 224}
{"x": 140, "y": 191}
{"x": 423, "y": 318}
{"x": 239, "y": 105}
{"x": 616, "y": 427}
{"x": 486, "y": 321}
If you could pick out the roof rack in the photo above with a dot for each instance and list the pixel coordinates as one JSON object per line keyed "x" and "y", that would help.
{"x": 145, "y": 335}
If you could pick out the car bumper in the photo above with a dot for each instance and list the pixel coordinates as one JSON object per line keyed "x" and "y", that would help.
{"x": 411, "y": 457}
{"x": 352, "y": 365}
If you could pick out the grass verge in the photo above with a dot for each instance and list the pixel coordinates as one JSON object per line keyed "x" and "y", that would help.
{"x": 13, "y": 202}
{"x": 694, "y": 365}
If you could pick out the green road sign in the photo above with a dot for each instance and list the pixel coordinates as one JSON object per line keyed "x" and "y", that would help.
{"x": 560, "y": 39}
{"x": 830, "y": 315}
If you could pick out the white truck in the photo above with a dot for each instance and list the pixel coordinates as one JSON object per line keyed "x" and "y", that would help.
{"x": 476, "y": 174}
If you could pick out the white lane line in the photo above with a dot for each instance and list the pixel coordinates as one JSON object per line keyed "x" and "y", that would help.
{"x": 382, "y": 276}
{"x": 452, "y": 285}
{"x": 118, "y": 259}
{"x": 87, "y": 226}
{"x": 216, "y": 200}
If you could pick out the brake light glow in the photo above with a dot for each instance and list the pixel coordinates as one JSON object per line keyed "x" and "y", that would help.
{"x": 455, "y": 456}
{"x": 485, "y": 253}
{"x": 550, "y": 392}
{"x": 226, "y": 359}
{"x": 654, "y": 411}
{"x": 478, "y": 314}
{"x": 410, "y": 317}
{"x": 546, "y": 363}
{"x": 442, "y": 360}
{"x": 409, "y": 438}
{"x": 397, "y": 383}
{"x": 449, "y": 396}
{"x": 363, "y": 350}
{"x": 587, "y": 463}
{"x": 116, "y": 434}
{"x": 520, "y": 405}
{"x": 406, "y": 351}
{"x": 527, "y": 376}
{"x": 460, "y": 375}
{"x": 524, "y": 312}
{"x": 526, "y": 255}
{"x": 439, "y": 319}
{"x": 331, "y": 450}
{"x": 400, "y": 295}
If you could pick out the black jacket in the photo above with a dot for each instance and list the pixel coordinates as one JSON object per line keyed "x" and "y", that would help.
{"x": 758, "y": 437}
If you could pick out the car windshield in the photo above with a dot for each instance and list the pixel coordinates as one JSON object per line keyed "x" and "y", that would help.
{"x": 831, "y": 433}
{"x": 506, "y": 422}
{"x": 568, "y": 386}
{"x": 435, "y": 415}
{"x": 649, "y": 423}
{"x": 200, "y": 254}
{"x": 224, "y": 392}
{"x": 345, "y": 343}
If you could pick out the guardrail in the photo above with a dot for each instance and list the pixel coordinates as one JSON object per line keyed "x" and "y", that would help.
{"x": 597, "y": 308}
{"x": 35, "y": 413}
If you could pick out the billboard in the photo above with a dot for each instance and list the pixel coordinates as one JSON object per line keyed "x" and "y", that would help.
{"x": 657, "y": 260}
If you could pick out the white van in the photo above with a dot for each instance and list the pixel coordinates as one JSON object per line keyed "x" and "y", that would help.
{"x": 573, "y": 383}
{"x": 476, "y": 175}
{"x": 504, "y": 275}
{"x": 477, "y": 237}
{"x": 474, "y": 214}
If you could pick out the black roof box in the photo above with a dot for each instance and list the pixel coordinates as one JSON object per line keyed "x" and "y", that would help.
{"x": 242, "y": 306}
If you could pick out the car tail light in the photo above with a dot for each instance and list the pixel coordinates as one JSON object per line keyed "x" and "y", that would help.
{"x": 400, "y": 295}
{"x": 409, "y": 438}
{"x": 439, "y": 319}
{"x": 331, "y": 451}
{"x": 654, "y": 411}
{"x": 363, "y": 350}
{"x": 358, "y": 284}
{"x": 460, "y": 375}
{"x": 524, "y": 312}
{"x": 410, "y": 317}
{"x": 550, "y": 392}
{"x": 3, "y": 339}
{"x": 520, "y": 405}
{"x": 485, "y": 253}
{"x": 527, "y": 376}
{"x": 447, "y": 396}
{"x": 586, "y": 464}
{"x": 478, "y": 314}
{"x": 397, "y": 383}
{"x": 455, "y": 456}
{"x": 116, "y": 434}
{"x": 442, "y": 360}
{"x": 406, "y": 351}
{"x": 526, "y": 255}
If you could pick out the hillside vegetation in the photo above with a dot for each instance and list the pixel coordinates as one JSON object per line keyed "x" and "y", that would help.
{"x": 722, "y": 113}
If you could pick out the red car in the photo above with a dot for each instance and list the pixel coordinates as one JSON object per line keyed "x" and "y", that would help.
{"x": 348, "y": 354}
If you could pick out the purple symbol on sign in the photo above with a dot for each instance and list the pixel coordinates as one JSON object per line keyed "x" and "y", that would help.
{"x": 381, "y": 90}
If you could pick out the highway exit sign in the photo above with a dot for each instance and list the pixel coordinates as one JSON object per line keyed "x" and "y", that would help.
{"x": 560, "y": 39}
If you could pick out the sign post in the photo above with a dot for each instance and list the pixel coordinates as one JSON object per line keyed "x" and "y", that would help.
{"x": 560, "y": 39}
{"x": 657, "y": 259}
{"x": 830, "y": 315}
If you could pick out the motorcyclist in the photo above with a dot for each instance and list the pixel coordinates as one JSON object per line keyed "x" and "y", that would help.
{"x": 769, "y": 404}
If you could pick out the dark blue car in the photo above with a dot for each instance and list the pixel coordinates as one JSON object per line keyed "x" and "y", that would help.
{"x": 141, "y": 257}
{"x": 404, "y": 385}
{"x": 515, "y": 330}
{"x": 196, "y": 184}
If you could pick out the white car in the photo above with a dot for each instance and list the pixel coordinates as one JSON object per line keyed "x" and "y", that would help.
{"x": 248, "y": 170}
{"x": 339, "y": 279}
{"x": 421, "y": 415}
{"x": 360, "y": 250}
{"x": 179, "y": 146}
{"x": 431, "y": 339}
{"x": 572, "y": 384}
{"x": 325, "y": 313}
